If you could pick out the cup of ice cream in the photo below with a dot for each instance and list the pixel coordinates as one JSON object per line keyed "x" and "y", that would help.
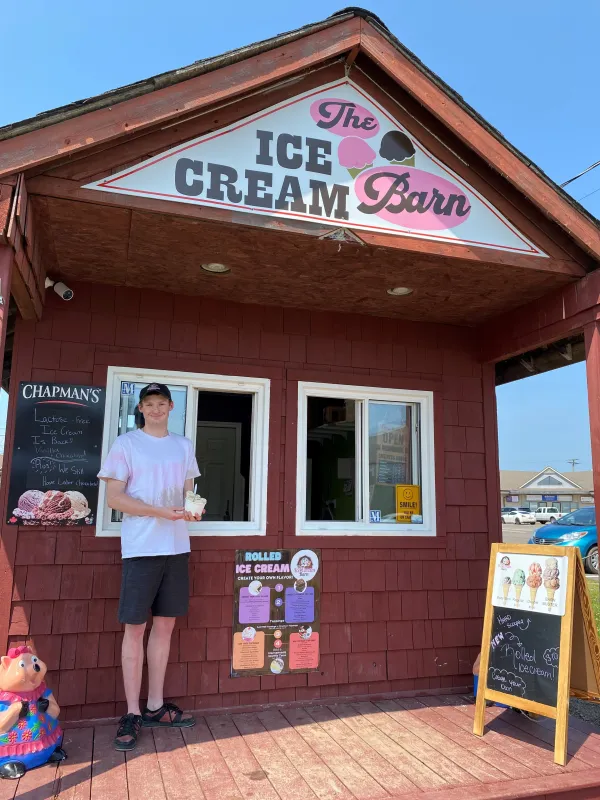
{"x": 194, "y": 503}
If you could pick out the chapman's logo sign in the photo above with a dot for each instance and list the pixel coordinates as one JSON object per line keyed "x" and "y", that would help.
{"x": 331, "y": 156}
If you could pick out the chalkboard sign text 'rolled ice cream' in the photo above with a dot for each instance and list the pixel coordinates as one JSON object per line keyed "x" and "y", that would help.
{"x": 56, "y": 456}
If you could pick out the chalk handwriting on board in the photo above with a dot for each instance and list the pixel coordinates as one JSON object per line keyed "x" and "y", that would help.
{"x": 551, "y": 657}
{"x": 507, "y": 621}
{"x": 509, "y": 682}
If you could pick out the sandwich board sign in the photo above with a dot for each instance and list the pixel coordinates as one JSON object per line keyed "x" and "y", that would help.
{"x": 540, "y": 643}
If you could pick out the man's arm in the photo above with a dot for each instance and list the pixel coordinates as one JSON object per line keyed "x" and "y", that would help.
{"x": 119, "y": 501}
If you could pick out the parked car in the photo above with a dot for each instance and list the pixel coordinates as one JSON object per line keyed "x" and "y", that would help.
{"x": 577, "y": 529}
{"x": 547, "y": 514}
{"x": 518, "y": 516}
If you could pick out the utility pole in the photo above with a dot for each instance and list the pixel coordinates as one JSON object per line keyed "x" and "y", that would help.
{"x": 573, "y": 462}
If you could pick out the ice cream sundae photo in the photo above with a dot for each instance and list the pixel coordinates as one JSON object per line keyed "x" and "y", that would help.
{"x": 52, "y": 507}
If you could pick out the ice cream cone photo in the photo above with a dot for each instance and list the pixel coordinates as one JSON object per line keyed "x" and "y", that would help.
{"x": 550, "y": 593}
{"x": 532, "y": 594}
{"x": 518, "y": 590}
{"x": 506, "y": 588}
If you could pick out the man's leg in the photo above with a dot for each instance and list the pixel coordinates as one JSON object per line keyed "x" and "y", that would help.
{"x": 132, "y": 660}
{"x": 171, "y": 601}
{"x": 159, "y": 645}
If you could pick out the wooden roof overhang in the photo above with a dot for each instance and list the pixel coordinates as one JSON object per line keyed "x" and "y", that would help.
{"x": 81, "y": 234}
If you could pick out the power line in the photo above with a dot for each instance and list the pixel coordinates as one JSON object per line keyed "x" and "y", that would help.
{"x": 573, "y": 462}
{"x": 585, "y": 171}
{"x": 589, "y": 194}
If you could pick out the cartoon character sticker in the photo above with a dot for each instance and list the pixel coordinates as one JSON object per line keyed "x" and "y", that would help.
{"x": 305, "y": 565}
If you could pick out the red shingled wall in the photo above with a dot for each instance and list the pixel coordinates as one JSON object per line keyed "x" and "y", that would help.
{"x": 397, "y": 614}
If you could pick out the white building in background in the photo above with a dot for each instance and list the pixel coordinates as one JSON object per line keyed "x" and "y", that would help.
{"x": 546, "y": 488}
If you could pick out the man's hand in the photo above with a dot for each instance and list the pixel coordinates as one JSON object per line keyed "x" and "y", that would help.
{"x": 189, "y": 517}
{"x": 169, "y": 512}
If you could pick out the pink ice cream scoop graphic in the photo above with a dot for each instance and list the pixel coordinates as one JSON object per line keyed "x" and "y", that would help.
{"x": 355, "y": 154}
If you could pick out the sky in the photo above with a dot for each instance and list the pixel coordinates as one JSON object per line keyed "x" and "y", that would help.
{"x": 529, "y": 67}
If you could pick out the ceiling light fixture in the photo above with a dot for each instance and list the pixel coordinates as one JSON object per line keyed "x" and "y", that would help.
{"x": 400, "y": 291}
{"x": 216, "y": 269}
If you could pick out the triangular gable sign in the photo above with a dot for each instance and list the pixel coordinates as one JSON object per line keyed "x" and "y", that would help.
{"x": 332, "y": 156}
{"x": 562, "y": 482}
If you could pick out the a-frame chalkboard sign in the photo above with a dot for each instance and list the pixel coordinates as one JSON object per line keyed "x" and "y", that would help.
{"x": 540, "y": 643}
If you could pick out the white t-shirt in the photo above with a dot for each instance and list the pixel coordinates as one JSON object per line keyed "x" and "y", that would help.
{"x": 155, "y": 470}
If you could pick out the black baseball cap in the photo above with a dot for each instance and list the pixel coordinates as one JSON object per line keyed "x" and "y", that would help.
{"x": 155, "y": 388}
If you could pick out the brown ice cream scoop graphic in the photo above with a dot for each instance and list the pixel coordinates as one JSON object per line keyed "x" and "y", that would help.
{"x": 397, "y": 148}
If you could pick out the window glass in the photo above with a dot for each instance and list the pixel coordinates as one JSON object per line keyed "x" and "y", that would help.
{"x": 583, "y": 516}
{"x": 223, "y": 449}
{"x": 331, "y": 459}
{"x": 130, "y": 417}
{"x": 394, "y": 464}
{"x": 227, "y": 419}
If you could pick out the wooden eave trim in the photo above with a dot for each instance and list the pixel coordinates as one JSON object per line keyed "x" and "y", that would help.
{"x": 140, "y": 113}
{"x": 437, "y": 101}
{"x": 64, "y": 189}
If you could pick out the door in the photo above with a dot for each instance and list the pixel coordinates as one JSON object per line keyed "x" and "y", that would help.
{"x": 218, "y": 450}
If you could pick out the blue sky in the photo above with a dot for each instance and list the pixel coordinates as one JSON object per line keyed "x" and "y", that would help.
{"x": 528, "y": 66}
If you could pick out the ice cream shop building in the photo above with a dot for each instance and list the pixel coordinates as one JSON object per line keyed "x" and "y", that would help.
{"x": 332, "y": 260}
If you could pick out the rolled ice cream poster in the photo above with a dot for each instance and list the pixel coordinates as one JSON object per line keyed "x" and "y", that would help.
{"x": 530, "y": 583}
{"x": 56, "y": 455}
{"x": 333, "y": 156}
{"x": 276, "y": 619}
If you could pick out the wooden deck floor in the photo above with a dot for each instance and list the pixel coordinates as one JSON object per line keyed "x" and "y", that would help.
{"x": 420, "y": 748}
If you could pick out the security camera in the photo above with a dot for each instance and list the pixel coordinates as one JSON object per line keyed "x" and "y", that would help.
{"x": 61, "y": 289}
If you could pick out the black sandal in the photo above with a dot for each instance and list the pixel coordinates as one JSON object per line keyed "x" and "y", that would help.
{"x": 129, "y": 726}
{"x": 167, "y": 716}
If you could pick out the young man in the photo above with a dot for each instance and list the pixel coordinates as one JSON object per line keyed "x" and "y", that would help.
{"x": 147, "y": 473}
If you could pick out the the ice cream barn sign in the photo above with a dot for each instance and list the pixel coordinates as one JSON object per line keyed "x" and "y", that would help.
{"x": 333, "y": 156}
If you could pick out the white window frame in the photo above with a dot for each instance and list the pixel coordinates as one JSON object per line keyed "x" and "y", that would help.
{"x": 194, "y": 381}
{"x": 306, "y": 527}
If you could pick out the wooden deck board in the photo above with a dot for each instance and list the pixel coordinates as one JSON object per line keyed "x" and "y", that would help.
{"x": 310, "y": 765}
{"x": 359, "y": 782}
{"x": 74, "y": 779}
{"x": 509, "y": 766}
{"x": 416, "y": 771}
{"x": 273, "y": 761}
{"x": 388, "y": 777}
{"x": 421, "y": 748}
{"x": 392, "y": 727}
{"x": 179, "y": 777}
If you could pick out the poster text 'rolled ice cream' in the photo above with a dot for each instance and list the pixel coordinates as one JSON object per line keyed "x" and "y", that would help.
{"x": 56, "y": 456}
{"x": 332, "y": 156}
{"x": 530, "y": 583}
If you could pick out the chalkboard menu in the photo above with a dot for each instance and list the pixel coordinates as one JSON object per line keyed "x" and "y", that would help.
{"x": 524, "y": 655}
{"x": 276, "y": 612}
{"x": 56, "y": 454}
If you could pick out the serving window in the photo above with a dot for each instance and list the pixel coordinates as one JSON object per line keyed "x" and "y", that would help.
{"x": 365, "y": 461}
{"x": 227, "y": 419}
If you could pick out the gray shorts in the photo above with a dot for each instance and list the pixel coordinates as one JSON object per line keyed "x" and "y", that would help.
{"x": 154, "y": 583}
